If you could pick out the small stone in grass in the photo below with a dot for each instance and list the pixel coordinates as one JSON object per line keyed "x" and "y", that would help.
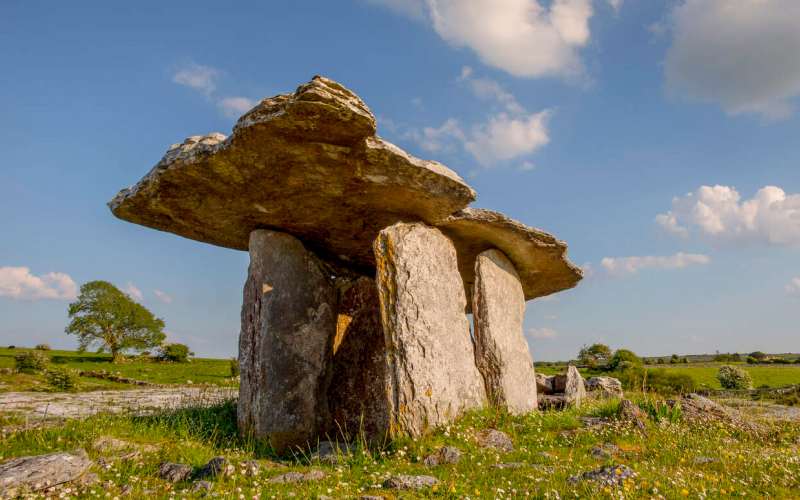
{"x": 509, "y": 465}
{"x": 604, "y": 450}
{"x": 298, "y": 477}
{"x": 202, "y": 486}
{"x": 444, "y": 455}
{"x": 610, "y": 475}
{"x": 217, "y": 466}
{"x": 173, "y": 472}
{"x": 492, "y": 438}
{"x": 406, "y": 482}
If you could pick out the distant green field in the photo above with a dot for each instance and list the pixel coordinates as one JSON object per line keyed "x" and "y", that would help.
{"x": 768, "y": 375}
{"x": 198, "y": 371}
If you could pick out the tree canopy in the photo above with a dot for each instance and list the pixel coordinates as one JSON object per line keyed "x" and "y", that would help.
{"x": 105, "y": 317}
{"x": 594, "y": 355}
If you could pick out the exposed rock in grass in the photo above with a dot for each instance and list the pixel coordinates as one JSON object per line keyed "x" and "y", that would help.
{"x": 407, "y": 482}
{"x": 509, "y": 465}
{"x": 631, "y": 413}
{"x": 34, "y": 473}
{"x": 251, "y": 468}
{"x": 604, "y": 387}
{"x": 217, "y": 466}
{"x": 332, "y": 452}
{"x": 610, "y": 475}
{"x": 700, "y": 409}
{"x": 492, "y": 438}
{"x": 605, "y": 450}
{"x": 298, "y": 477}
{"x": 202, "y": 486}
{"x": 700, "y": 460}
{"x": 173, "y": 472}
{"x": 444, "y": 455}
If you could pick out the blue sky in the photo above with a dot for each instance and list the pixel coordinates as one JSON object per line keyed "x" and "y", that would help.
{"x": 658, "y": 138}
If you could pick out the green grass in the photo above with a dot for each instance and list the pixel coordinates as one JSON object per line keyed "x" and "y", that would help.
{"x": 663, "y": 458}
{"x": 198, "y": 371}
{"x": 705, "y": 374}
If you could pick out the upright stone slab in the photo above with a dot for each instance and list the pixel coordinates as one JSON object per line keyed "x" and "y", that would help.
{"x": 501, "y": 351}
{"x": 430, "y": 356}
{"x": 359, "y": 391}
{"x": 288, "y": 326}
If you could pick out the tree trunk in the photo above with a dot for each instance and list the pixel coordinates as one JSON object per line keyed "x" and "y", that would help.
{"x": 116, "y": 356}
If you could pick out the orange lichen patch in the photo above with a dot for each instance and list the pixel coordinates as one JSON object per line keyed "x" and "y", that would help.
{"x": 342, "y": 323}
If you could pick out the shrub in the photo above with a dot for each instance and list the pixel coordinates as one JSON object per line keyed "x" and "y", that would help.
{"x": 42, "y": 347}
{"x": 673, "y": 359}
{"x": 63, "y": 379}
{"x": 732, "y": 377}
{"x": 758, "y": 355}
{"x": 31, "y": 361}
{"x": 177, "y": 353}
{"x": 797, "y": 361}
{"x": 623, "y": 359}
{"x": 751, "y": 360}
{"x": 12, "y": 347}
{"x": 234, "y": 367}
{"x": 667, "y": 382}
{"x": 660, "y": 411}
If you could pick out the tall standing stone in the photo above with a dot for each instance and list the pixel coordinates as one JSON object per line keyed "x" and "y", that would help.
{"x": 501, "y": 351}
{"x": 430, "y": 356}
{"x": 288, "y": 325}
{"x": 359, "y": 391}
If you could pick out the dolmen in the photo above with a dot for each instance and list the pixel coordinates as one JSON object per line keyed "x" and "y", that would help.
{"x": 364, "y": 265}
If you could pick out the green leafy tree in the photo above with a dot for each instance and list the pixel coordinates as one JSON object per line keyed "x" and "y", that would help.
{"x": 104, "y": 316}
{"x": 594, "y": 355}
{"x": 624, "y": 359}
{"x": 733, "y": 377}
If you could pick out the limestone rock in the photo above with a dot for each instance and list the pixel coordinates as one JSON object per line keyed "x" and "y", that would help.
{"x": 406, "y": 482}
{"x": 571, "y": 385}
{"x": 217, "y": 466}
{"x": 631, "y": 413}
{"x": 308, "y": 164}
{"x": 34, "y": 473}
{"x": 544, "y": 384}
{"x": 430, "y": 356}
{"x": 359, "y": 390}
{"x": 173, "y": 472}
{"x": 538, "y": 257}
{"x": 492, "y": 438}
{"x": 604, "y": 387}
{"x": 332, "y": 452}
{"x": 444, "y": 455}
{"x": 288, "y": 325}
{"x": 501, "y": 351}
{"x": 610, "y": 475}
{"x": 298, "y": 477}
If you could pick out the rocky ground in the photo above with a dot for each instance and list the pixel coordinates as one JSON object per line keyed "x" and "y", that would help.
{"x": 43, "y": 405}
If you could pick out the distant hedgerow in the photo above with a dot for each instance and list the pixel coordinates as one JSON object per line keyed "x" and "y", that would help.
{"x": 42, "y": 347}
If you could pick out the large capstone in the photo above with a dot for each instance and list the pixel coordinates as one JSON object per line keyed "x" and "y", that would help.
{"x": 359, "y": 389}
{"x": 288, "y": 326}
{"x": 309, "y": 164}
{"x": 501, "y": 351}
{"x": 430, "y": 355}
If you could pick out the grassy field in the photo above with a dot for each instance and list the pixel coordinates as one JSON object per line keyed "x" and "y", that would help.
{"x": 672, "y": 459}
{"x": 198, "y": 371}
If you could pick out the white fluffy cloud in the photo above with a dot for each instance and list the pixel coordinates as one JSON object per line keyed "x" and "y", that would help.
{"x": 163, "y": 296}
{"x": 506, "y": 135}
{"x": 793, "y": 288}
{"x": 527, "y": 38}
{"x": 233, "y": 107}
{"x": 615, "y": 4}
{"x": 719, "y": 214}
{"x": 18, "y": 283}
{"x": 542, "y": 333}
{"x": 134, "y": 291}
{"x": 619, "y": 266}
{"x": 741, "y": 54}
{"x": 198, "y": 77}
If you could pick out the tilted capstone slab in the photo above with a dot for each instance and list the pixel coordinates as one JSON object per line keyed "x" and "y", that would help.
{"x": 431, "y": 359}
{"x": 288, "y": 326}
{"x": 501, "y": 352}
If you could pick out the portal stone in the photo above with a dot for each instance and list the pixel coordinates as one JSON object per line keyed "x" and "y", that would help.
{"x": 431, "y": 360}
{"x": 359, "y": 391}
{"x": 501, "y": 351}
{"x": 288, "y": 326}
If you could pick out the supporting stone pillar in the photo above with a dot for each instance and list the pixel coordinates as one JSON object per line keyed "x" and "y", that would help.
{"x": 430, "y": 356}
{"x": 501, "y": 352}
{"x": 288, "y": 325}
{"x": 359, "y": 391}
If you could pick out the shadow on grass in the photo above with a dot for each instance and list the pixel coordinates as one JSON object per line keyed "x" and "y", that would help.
{"x": 80, "y": 359}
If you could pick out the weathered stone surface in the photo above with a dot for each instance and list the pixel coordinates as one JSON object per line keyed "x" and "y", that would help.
{"x": 308, "y": 164}
{"x": 217, "y": 466}
{"x": 332, "y": 453}
{"x": 544, "y": 384}
{"x": 492, "y": 438}
{"x": 444, "y": 455}
{"x": 359, "y": 390}
{"x": 610, "y": 475}
{"x": 501, "y": 352}
{"x": 173, "y": 472}
{"x": 538, "y": 257}
{"x": 430, "y": 356}
{"x": 38, "y": 472}
{"x": 571, "y": 385}
{"x": 298, "y": 477}
{"x": 288, "y": 325}
{"x": 604, "y": 387}
{"x": 631, "y": 413}
{"x": 406, "y": 482}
